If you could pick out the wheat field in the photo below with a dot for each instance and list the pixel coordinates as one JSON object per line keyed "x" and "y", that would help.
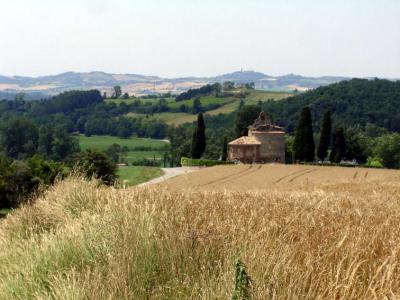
{"x": 325, "y": 237}
{"x": 279, "y": 177}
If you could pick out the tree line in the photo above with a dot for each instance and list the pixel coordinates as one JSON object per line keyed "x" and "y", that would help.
{"x": 373, "y": 146}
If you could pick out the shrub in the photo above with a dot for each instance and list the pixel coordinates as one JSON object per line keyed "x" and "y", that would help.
{"x": 20, "y": 179}
{"x": 374, "y": 162}
{"x": 241, "y": 290}
{"x": 189, "y": 162}
{"x": 94, "y": 164}
{"x": 146, "y": 162}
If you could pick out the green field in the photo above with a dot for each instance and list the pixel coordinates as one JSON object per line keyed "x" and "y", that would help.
{"x": 170, "y": 118}
{"x": 130, "y": 175}
{"x": 257, "y": 95}
{"x": 101, "y": 143}
{"x": 204, "y": 101}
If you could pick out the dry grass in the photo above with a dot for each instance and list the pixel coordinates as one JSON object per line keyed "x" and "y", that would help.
{"x": 337, "y": 240}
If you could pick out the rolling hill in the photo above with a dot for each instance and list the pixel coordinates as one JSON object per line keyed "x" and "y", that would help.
{"x": 145, "y": 85}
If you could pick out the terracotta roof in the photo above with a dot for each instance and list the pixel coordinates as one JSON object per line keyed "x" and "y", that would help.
{"x": 245, "y": 140}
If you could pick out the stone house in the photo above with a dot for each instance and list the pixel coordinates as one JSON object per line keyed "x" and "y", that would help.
{"x": 265, "y": 143}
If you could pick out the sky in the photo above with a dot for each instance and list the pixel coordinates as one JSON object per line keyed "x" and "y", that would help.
{"x": 175, "y": 38}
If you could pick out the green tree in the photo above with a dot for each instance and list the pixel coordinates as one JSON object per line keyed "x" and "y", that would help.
{"x": 63, "y": 145}
{"x": 325, "y": 137}
{"x": 387, "y": 149}
{"x": 20, "y": 138}
{"x": 17, "y": 182}
{"x": 117, "y": 91}
{"x": 113, "y": 152}
{"x": 97, "y": 165}
{"x": 228, "y": 85}
{"x": 338, "y": 146}
{"x": 199, "y": 138}
{"x": 45, "y": 142}
{"x": 224, "y": 155}
{"x": 245, "y": 118}
{"x": 303, "y": 145}
{"x": 241, "y": 104}
{"x": 196, "y": 108}
{"x": 289, "y": 141}
{"x": 359, "y": 146}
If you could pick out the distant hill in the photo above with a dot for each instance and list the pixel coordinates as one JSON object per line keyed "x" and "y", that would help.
{"x": 145, "y": 85}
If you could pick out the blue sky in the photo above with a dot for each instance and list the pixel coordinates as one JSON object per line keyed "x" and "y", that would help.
{"x": 181, "y": 38}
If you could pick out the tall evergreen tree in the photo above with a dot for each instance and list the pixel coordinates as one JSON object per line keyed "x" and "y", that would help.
{"x": 304, "y": 146}
{"x": 338, "y": 146}
{"x": 325, "y": 138}
{"x": 224, "y": 155}
{"x": 199, "y": 138}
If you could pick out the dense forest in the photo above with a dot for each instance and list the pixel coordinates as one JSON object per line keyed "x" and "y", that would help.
{"x": 354, "y": 102}
{"x": 85, "y": 112}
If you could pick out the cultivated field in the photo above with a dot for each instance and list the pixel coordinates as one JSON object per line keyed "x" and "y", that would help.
{"x": 139, "y": 148}
{"x": 278, "y": 177}
{"x": 102, "y": 142}
{"x": 302, "y": 232}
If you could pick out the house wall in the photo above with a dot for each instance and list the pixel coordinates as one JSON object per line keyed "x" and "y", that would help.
{"x": 272, "y": 147}
{"x": 244, "y": 153}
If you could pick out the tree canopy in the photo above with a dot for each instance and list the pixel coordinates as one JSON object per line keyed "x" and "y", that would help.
{"x": 304, "y": 146}
{"x": 199, "y": 138}
{"x": 245, "y": 117}
{"x": 356, "y": 101}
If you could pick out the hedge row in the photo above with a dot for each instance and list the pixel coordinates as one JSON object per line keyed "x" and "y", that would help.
{"x": 189, "y": 162}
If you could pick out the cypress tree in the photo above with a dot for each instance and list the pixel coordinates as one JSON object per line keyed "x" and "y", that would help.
{"x": 199, "y": 138}
{"x": 304, "y": 146}
{"x": 338, "y": 147}
{"x": 325, "y": 138}
{"x": 224, "y": 149}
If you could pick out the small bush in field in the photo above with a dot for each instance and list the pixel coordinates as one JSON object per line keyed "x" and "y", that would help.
{"x": 241, "y": 290}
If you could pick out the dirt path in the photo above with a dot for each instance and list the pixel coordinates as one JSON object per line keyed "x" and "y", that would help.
{"x": 170, "y": 173}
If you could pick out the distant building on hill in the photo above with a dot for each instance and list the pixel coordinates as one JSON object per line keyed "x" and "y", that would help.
{"x": 265, "y": 143}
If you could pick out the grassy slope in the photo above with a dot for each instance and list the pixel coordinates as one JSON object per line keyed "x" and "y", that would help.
{"x": 133, "y": 175}
{"x": 103, "y": 142}
{"x": 229, "y": 105}
{"x": 333, "y": 241}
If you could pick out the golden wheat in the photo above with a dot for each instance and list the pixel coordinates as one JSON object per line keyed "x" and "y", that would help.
{"x": 82, "y": 241}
